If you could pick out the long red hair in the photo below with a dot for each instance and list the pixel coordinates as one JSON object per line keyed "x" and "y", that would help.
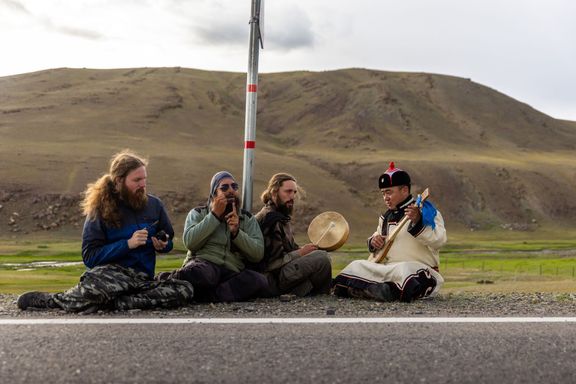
{"x": 101, "y": 197}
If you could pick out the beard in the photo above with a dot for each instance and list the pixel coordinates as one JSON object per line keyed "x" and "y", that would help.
{"x": 285, "y": 208}
{"x": 135, "y": 200}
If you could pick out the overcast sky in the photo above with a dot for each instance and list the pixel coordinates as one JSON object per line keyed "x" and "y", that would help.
{"x": 523, "y": 48}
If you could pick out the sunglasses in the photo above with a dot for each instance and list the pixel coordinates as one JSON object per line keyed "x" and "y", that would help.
{"x": 226, "y": 187}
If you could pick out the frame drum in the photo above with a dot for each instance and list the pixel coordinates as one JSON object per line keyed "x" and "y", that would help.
{"x": 329, "y": 231}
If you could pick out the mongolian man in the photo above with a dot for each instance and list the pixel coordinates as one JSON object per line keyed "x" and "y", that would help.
{"x": 407, "y": 264}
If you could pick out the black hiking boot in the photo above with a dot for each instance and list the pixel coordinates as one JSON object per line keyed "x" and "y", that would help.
{"x": 381, "y": 292}
{"x": 36, "y": 300}
{"x": 161, "y": 276}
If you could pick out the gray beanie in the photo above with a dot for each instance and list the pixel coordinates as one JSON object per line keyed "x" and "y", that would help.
{"x": 216, "y": 179}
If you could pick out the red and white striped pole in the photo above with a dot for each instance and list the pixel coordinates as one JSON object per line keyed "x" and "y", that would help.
{"x": 251, "y": 98}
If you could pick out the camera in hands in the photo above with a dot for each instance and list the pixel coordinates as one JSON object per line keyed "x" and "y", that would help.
{"x": 162, "y": 236}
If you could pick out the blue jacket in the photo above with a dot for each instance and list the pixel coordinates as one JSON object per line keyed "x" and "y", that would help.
{"x": 102, "y": 244}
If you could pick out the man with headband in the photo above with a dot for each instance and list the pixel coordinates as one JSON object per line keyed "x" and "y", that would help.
{"x": 410, "y": 269}
{"x": 221, "y": 239}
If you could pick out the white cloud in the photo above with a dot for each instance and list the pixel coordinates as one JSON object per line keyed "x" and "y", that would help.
{"x": 524, "y": 48}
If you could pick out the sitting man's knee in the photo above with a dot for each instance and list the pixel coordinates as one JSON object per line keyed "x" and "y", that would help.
{"x": 200, "y": 274}
{"x": 94, "y": 292}
{"x": 319, "y": 257}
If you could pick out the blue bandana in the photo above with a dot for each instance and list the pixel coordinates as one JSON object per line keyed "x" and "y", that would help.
{"x": 428, "y": 214}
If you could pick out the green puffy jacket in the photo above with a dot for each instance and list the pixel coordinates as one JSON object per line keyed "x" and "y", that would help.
{"x": 208, "y": 238}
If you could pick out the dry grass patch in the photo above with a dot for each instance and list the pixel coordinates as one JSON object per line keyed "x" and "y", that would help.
{"x": 506, "y": 287}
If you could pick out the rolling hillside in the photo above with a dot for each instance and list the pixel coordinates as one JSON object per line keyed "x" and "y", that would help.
{"x": 490, "y": 161}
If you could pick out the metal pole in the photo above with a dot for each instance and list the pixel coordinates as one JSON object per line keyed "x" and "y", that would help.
{"x": 251, "y": 98}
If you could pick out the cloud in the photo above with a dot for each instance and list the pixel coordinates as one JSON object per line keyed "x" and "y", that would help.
{"x": 522, "y": 48}
{"x": 290, "y": 28}
{"x": 221, "y": 33}
{"x": 293, "y": 30}
{"x": 38, "y": 17}
{"x": 72, "y": 31}
{"x": 213, "y": 23}
{"x": 15, "y": 5}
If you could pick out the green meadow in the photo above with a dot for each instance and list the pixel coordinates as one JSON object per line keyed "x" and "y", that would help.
{"x": 466, "y": 264}
{"x": 53, "y": 266}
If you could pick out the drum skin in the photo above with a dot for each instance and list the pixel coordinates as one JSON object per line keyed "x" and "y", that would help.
{"x": 329, "y": 230}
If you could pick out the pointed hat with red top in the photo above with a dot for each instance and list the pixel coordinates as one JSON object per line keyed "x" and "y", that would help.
{"x": 393, "y": 177}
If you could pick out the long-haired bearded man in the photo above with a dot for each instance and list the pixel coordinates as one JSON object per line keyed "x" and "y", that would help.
{"x": 124, "y": 229}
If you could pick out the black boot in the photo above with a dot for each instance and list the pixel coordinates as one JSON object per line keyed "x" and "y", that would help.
{"x": 36, "y": 300}
{"x": 381, "y": 292}
{"x": 163, "y": 276}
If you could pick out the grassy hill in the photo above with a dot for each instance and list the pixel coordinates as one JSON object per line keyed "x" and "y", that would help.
{"x": 490, "y": 161}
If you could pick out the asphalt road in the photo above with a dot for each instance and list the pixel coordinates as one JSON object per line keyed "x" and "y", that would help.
{"x": 289, "y": 353}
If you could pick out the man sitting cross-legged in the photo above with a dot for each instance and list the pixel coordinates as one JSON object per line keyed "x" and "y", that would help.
{"x": 124, "y": 229}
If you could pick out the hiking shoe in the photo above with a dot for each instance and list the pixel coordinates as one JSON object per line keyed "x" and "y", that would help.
{"x": 287, "y": 297}
{"x": 35, "y": 300}
{"x": 90, "y": 310}
{"x": 358, "y": 293}
{"x": 380, "y": 292}
{"x": 304, "y": 289}
{"x": 163, "y": 276}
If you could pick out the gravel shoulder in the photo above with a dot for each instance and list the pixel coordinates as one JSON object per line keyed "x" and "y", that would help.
{"x": 444, "y": 305}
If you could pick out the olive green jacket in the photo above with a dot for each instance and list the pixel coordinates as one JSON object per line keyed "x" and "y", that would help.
{"x": 208, "y": 238}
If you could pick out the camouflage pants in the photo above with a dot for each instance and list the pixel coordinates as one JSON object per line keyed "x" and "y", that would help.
{"x": 112, "y": 286}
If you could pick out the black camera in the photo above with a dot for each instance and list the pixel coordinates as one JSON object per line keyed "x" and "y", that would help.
{"x": 162, "y": 236}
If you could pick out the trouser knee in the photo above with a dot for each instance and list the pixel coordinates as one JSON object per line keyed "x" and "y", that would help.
{"x": 201, "y": 273}
{"x": 319, "y": 259}
{"x": 245, "y": 285}
{"x": 103, "y": 283}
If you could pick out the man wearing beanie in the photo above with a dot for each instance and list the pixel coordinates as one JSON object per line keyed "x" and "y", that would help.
{"x": 410, "y": 269}
{"x": 221, "y": 238}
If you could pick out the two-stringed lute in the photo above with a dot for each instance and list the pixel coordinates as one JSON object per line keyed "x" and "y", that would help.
{"x": 380, "y": 255}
